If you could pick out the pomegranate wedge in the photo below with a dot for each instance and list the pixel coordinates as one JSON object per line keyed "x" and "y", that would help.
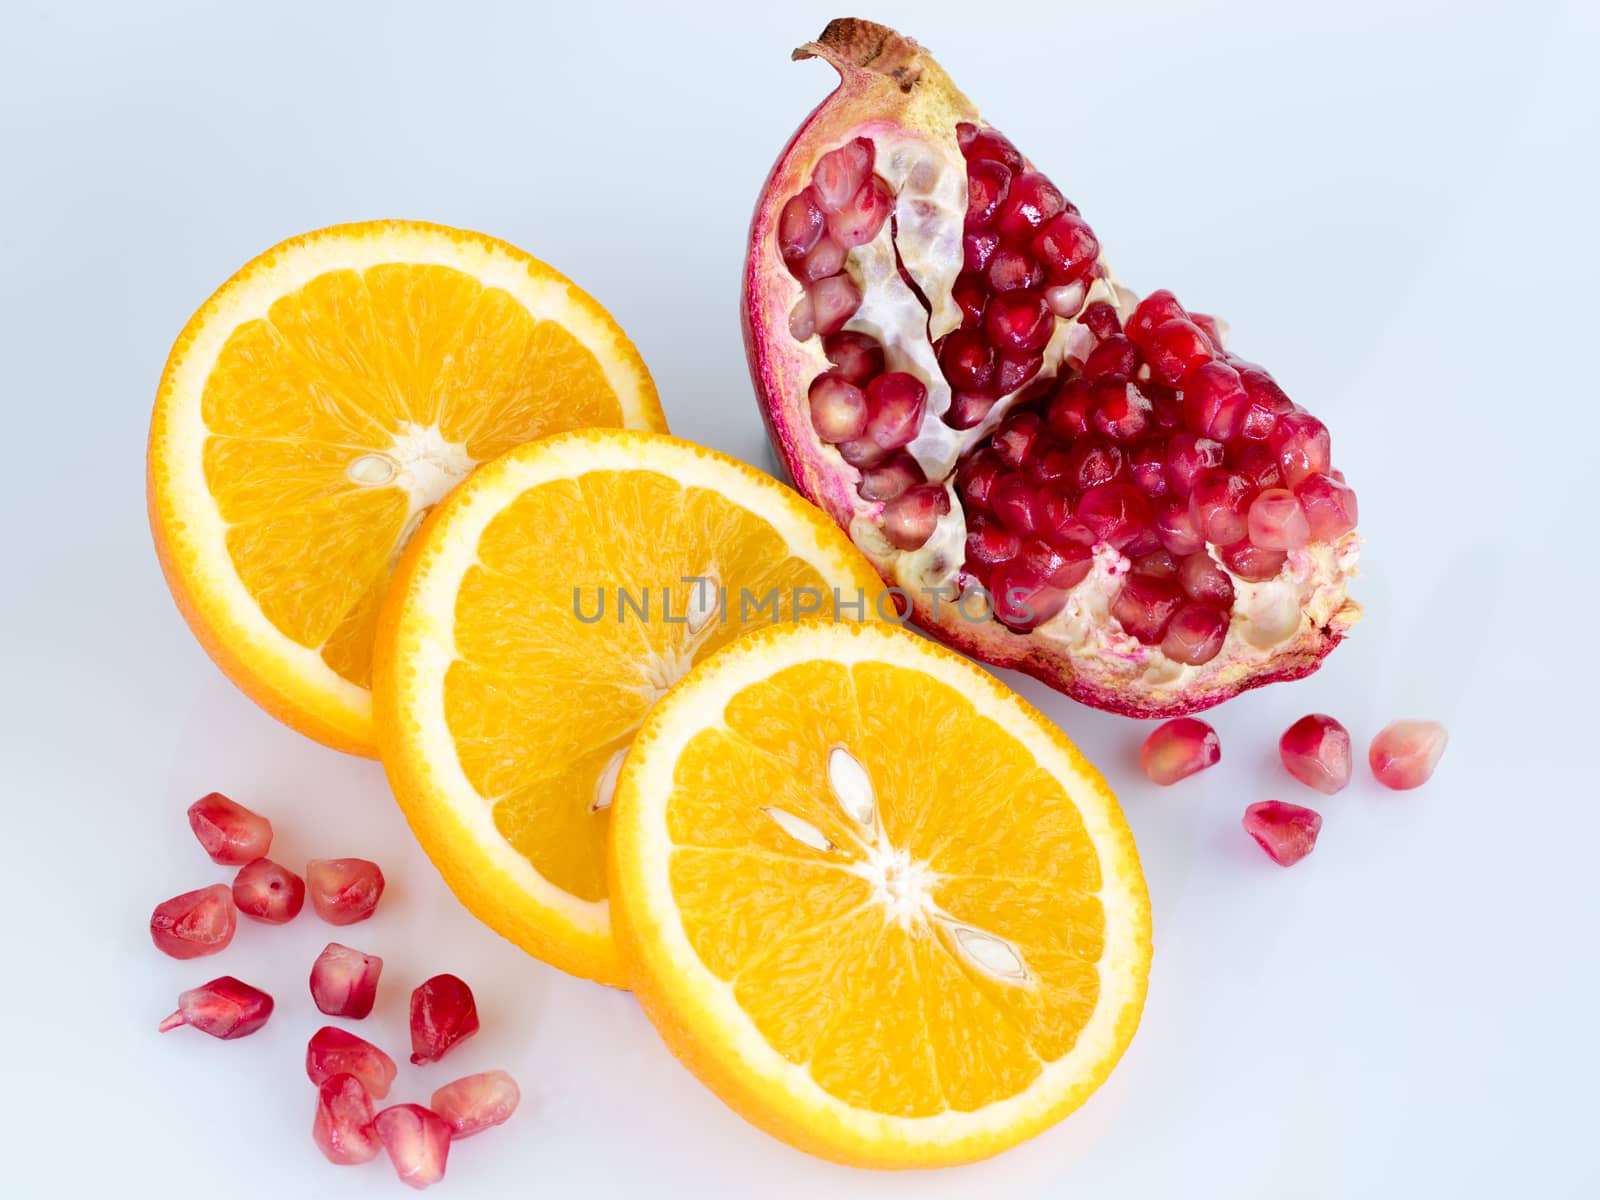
{"x": 1061, "y": 477}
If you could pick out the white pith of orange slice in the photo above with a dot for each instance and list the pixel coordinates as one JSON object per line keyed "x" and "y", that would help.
{"x": 503, "y": 717}
{"x": 320, "y": 402}
{"x": 874, "y": 900}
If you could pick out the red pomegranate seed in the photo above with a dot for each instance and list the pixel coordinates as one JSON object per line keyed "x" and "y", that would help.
{"x": 1158, "y": 564}
{"x": 1316, "y": 751}
{"x": 1014, "y": 440}
{"x": 1178, "y": 749}
{"x": 988, "y": 183}
{"x": 856, "y": 357}
{"x": 474, "y": 1103}
{"x": 859, "y": 221}
{"x": 968, "y": 409}
{"x": 194, "y": 924}
{"x": 1015, "y": 368}
{"x": 1033, "y": 200}
{"x": 1069, "y": 412}
{"x": 802, "y": 322}
{"x": 1015, "y": 501}
{"x": 344, "y": 890}
{"x": 1195, "y": 634}
{"x": 442, "y": 1014}
{"x": 1117, "y": 513}
{"x": 1189, "y": 454}
{"x": 971, "y": 294}
{"x": 1330, "y": 507}
{"x": 1155, "y": 309}
{"x": 1011, "y": 270}
{"x": 1176, "y": 527}
{"x": 967, "y": 360}
{"x": 978, "y": 143}
{"x": 839, "y": 174}
{"x": 1176, "y": 348}
{"x": 896, "y": 401}
{"x": 890, "y": 479}
{"x": 910, "y": 518}
{"x": 1019, "y": 321}
{"x": 1256, "y": 463}
{"x": 1302, "y": 445}
{"x": 1063, "y": 566}
{"x": 1251, "y": 562}
{"x": 1201, "y": 579}
{"x": 1120, "y": 411}
{"x": 1067, "y": 247}
{"x": 1215, "y": 403}
{"x": 825, "y": 259}
{"x": 1287, "y": 832}
{"x": 1277, "y": 522}
{"x": 1022, "y": 601}
{"x": 344, "y": 982}
{"x": 1404, "y": 753}
{"x": 1049, "y": 463}
{"x": 343, "y": 1129}
{"x": 834, "y": 301}
{"x": 1221, "y": 501}
{"x": 862, "y": 452}
{"x": 1215, "y": 329}
{"x": 977, "y": 477}
{"x": 1115, "y": 358}
{"x": 1101, "y": 319}
{"x": 977, "y": 250}
{"x": 989, "y": 542}
{"x": 228, "y": 832}
{"x": 418, "y": 1142}
{"x": 332, "y": 1052}
{"x": 799, "y": 226}
{"x": 264, "y": 891}
{"x": 838, "y": 408}
{"x": 1145, "y": 605}
{"x": 225, "y": 1008}
{"x": 1093, "y": 461}
{"x": 1147, "y": 467}
{"x": 1065, "y": 299}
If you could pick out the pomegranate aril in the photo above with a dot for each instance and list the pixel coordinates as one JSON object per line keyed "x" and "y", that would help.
{"x": 1221, "y": 503}
{"x": 1155, "y": 309}
{"x": 1031, "y": 202}
{"x": 1066, "y": 246}
{"x": 859, "y": 221}
{"x": 1277, "y": 522}
{"x": 344, "y": 890}
{"x": 1013, "y": 271}
{"x": 1068, "y": 414}
{"x": 225, "y": 1008}
{"x": 1117, "y": 513}
{"x": 1287, "y": 832}
{"x": 1175, "y": 349}
{"x": 474, "y": 1103}
{"x": 802, "y": 323}
{"x": 1023, "y": 601}
{"x": 989, "y": 542}
{"x": 1178, "y": 749}
{"x": 1316, "y": 751}
{"x": 332, "y": 1052}
{"x": 1014, "y": 368}
{"x": 196, "y": 923}
{"x": 1049, "y": 464}
{"x": 417, "y": 1141}
{"x": 1215, "y": 329}
{"x": 1115, "y": 358}
{"x": 1014, "y": 440}
{"x": 977, "y": 477}
{"x": 1330, "y": 507}
{"x": 1251, "y": 562}
{"x": 343, "y": 1128}
{"x": 1301, "y": 443}
{"x": 971, "y": 295}
{"x": 833, "y": 302}
{"x": 967, "y": 360}
{"x": 856, "y": 357}
{"x": 1175, "y": 525}
{"x": 838, "y": 408}
{"x": 1101, "y": 319}
{"x": 1019, "y": 321}
{"x": 839, "y": 174}
{"x": 1120, "y": 411}
{"x": 968, "y": 409}
{"x": 988, "y": 183}
{"x": 891, "y": 478}
{"x": 344, "y": 982}
{"x": 1188, "y": 455}
{"x": 800, "y": 224}
{"x": 1063, "y": 566}
{"x": 1065, "y": 299}
{"x": 1256, "y": 463}
{"x": 1147, "y": 467}
{"x": 978, "y": 249}
{"x": 978, "y": 143}
{"x": 1404, "y": 753}
{"x": 862, "y": 452}
{"x": 1015, "y": 501}
{"x": 264, "y": 891}
{"x": 1195, "y": 634}
{"x": 1057, "y": 522}
{"x": 1145, "y": 605}
{"x": 910, "y": 518}
{"x": 1201, "y": 579}
{"x": 228, "y": 832}
{"x": 1092, "y": 462}
{"x": 896, "y": 401}
{"x": 443, "y": 1012}
{"x": 825, "y": 259}
{"x": 1214, "y": 401}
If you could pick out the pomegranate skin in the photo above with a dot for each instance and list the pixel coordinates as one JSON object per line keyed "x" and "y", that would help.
{"x": 892, "y": 93}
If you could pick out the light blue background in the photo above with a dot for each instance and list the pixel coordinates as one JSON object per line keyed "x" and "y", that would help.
{"x": 1394, "y": 204}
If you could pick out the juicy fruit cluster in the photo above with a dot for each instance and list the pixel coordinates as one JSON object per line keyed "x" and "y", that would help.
{"x": 1061, "y": 478}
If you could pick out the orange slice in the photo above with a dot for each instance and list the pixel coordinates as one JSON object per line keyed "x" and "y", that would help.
{"x": 874, "y": 900}
{"x": 320, "y": 403}
{"x": 506, "y": 697}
